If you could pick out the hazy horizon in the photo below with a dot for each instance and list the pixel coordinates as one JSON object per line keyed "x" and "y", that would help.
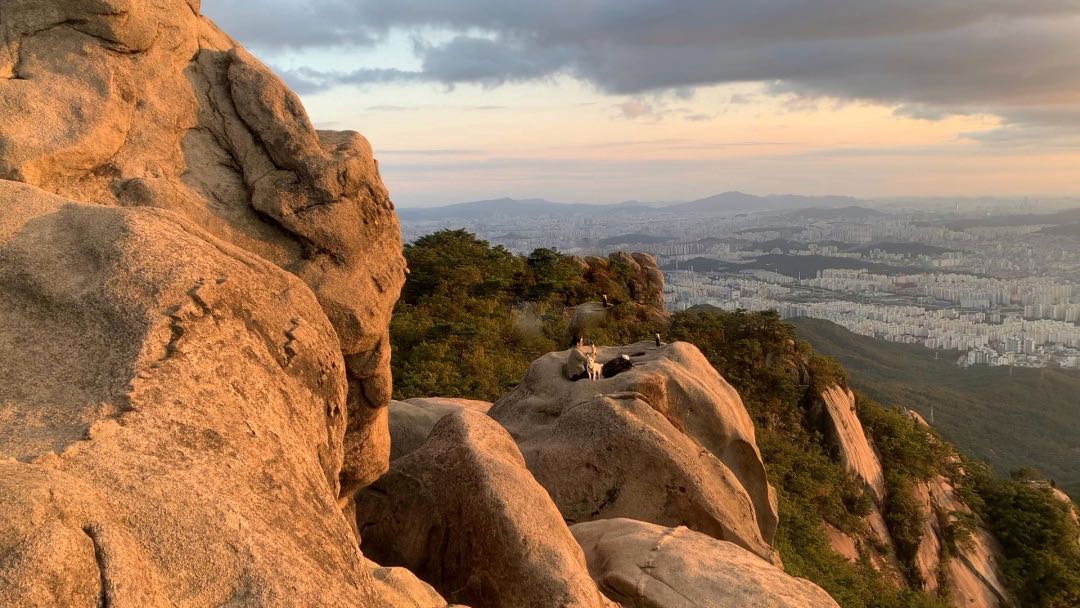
{"x": 611, "y": 101}
{"x": 406, "y": 204}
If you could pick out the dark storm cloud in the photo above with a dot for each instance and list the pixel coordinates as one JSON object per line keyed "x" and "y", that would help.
{"x": 931, "y": 57}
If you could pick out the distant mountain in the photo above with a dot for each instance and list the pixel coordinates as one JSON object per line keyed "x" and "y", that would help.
{"x": 740, "y": 201}
{"x": 538, "y": 207}
{"x": 1010, "y": 418}
{"x": 512, "y": 208}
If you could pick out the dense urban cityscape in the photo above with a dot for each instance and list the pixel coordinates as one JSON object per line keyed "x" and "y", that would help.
{"x": 988, "y": 282}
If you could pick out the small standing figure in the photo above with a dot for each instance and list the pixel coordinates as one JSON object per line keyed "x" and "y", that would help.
{"x": 592, "y": 367}
{"x": 656, "y": 336}
{"x": 604, "y": 299}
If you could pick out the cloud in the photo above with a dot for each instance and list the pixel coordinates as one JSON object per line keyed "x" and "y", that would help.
{"x": 927, "y": 57}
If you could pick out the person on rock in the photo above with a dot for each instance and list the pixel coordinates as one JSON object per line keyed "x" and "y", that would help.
{"x": 576, "y": 359}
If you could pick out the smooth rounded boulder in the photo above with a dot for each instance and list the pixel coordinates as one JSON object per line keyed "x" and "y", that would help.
{"x": 411, "y": 420}
{"x": 465, "y": 515}
{"x": 641, "y": 565}
{"x": 668, "y": 442}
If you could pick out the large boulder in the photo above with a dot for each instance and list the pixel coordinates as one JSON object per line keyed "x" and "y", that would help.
{"x": 642, "y": 565}
{"x": 172, "y": 413}
{"x": 465, "y": 515}
{"x": 668, "y": 442}
{"x": 411, "y": 420}
{"x": 148, "y": 104}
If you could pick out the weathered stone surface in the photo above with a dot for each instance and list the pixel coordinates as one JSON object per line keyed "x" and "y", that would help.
{"x": 641, "y": 565}
{"x": 411, "y": 420}
{"x": 846, "y": 432}
{"x": 668, "y": 442}
{"x": 401, "y": 589}
{"x": 463, "y": 513}
{"x": 973, "y": 572}
{"x": 148, "y": 104}
{"x": 172, "y": 412}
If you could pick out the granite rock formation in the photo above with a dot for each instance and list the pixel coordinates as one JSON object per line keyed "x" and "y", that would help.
{"x": 464, "y": 514}
{"x": 411, "y": 420}
{"x": 148, "y": 104}
{"x": 172, "y": 415}
{"x": 667, "y": 442}
{"x": 641, "y": 565}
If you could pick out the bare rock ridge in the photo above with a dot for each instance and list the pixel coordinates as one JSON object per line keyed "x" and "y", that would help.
{"x": 148, "y": 104}
{"x": 668, "y": 442}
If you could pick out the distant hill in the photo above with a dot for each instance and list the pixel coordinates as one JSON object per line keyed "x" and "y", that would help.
{"x": 792, "y": 265}
{"x": 502, "y": 207}
{"x": 740, "y": 201}
{"x": 538, "y": 207}
{"x": 903, "y": 248}
{"x": 1067, "y": 216}
{"x": 1009, "y": 418}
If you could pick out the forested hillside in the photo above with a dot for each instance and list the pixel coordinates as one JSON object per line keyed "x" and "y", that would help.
{"x": 1010, "y": 418}
{"x": 473, "y": 317}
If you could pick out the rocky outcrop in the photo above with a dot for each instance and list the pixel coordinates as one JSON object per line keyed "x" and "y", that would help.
{"x": 138, "y": 104}
{"x": 846, "y": 432}
{"x": 411, "y": 420}
{"x": 637, "y": 273}
{"x": 1074, "y": 512}
{"x": 172, "y": 415}
{"x": 641, "y": 565}
{"x": 463, "y": 513}
{"x": 667, "y": 442}
{"x": 970, "y": 565}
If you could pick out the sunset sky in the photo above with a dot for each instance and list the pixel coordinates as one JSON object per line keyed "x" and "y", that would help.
{"x": 612, "y": 100}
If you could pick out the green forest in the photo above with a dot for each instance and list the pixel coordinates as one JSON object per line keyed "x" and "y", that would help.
{"x": 473, "y": 316}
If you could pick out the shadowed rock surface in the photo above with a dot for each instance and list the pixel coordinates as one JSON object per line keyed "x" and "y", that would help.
{"x": 668, "y": 442}
{"x": 411, "y": 420}
{"x": 641, "y": 565}
{"x": 463, "y": 513}
{"x": 172, "y": 413}
{"x": 148, "y": 104}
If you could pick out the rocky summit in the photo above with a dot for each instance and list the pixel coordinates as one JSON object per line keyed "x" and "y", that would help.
{"x": 196, "y": 291}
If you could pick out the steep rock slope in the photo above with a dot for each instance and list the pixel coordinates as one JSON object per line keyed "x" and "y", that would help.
{"x": 148, "y": 104}
{"x": 463, "y": 513}
{"x": 968, "y": 570}
{"x": 846, "y": 431}
{"x": 172, "y": 413}
{"x": 668, "y": 442}
{"x": 642, "y": 565}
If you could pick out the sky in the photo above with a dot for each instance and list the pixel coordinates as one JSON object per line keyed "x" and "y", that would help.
{"x": 661, "y": 100}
